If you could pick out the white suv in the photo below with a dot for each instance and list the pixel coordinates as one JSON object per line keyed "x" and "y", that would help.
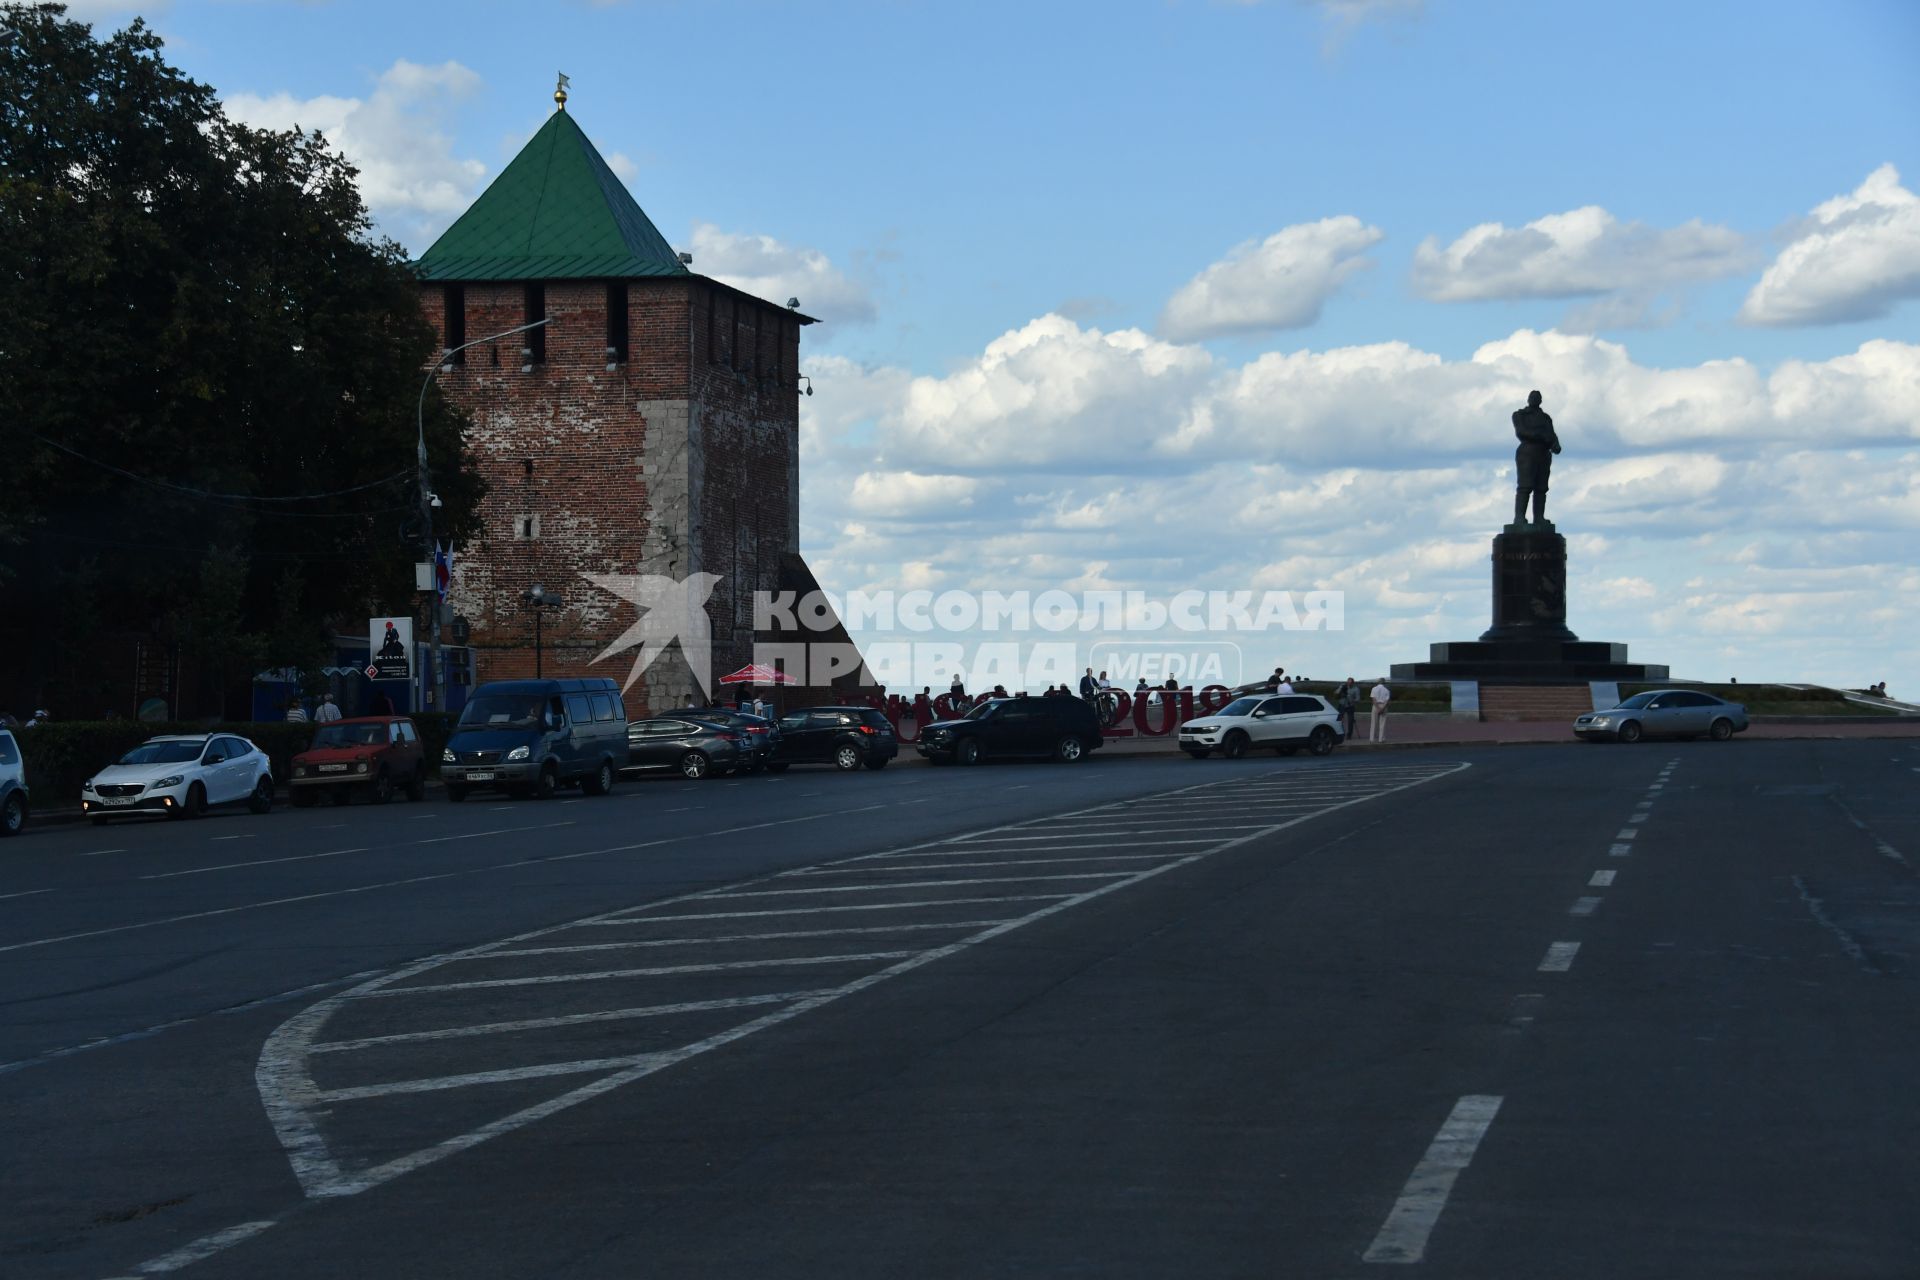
{"x": 13, "y": 786}
{"x": 180, "y": 776}
{"x": 1284, "y": 721}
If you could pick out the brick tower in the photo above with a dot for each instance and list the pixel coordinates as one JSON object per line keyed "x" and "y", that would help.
{"x": 651, "y": 427}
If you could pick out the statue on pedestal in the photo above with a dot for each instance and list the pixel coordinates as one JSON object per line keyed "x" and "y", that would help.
{"x": 1533, "y": 461}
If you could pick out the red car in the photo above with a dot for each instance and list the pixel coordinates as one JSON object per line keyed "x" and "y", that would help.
{"x": 373, "y": 755}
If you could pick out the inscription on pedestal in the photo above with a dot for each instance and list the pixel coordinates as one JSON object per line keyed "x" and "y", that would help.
{"x": 1529, "y": 588}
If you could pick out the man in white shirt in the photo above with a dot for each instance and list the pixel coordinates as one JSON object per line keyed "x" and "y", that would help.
{"x": 1285, "y": 686}
{"x": 327, "y": 712}
{"x": 1381, "y": 696}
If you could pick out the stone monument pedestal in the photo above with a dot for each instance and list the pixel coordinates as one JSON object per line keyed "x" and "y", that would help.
{"x": 1529, "y": 642}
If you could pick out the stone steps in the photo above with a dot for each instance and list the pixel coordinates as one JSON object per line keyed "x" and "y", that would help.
{"x": 1534, "y": 702}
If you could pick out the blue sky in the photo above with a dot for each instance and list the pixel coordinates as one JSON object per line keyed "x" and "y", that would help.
{"x": 984, "y": 201}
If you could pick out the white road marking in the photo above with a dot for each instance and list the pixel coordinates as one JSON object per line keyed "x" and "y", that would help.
{"x": 950, "y": 847}
{"x": 682, "y": 809}
{"x": 1403, "y": 1237}
{"x": 1638, "y": 817}
{"x": 630, "y": 943}
{"x": 203, "y": 1248}
{"x": 1584, "y": 906}
{"x": 1625, "y": 833}
{"x": 263, "y": 862}
{"x": 815, "y": 911}
{"x": 903, "y": 803}
{"x": 291, "y": 1097}
{"x": 495, "y": 808}
{"x": 1559, "y": 957}
{"x": 963, "y": 866}
{"x": 1601, "y": 879}
{"x": 562, "y": 1020}
{"x": 95, "y": 853}
{"x": 602, "y": 975}
{"x": 1619, "y": 850}
{"x": 507, "y": 1076}
{"x": 217, "y": 839}
{"x": 890, "y": 886}
{"x": 496, "y": 831}
{"x": 25, "y": 893}
{"x": 422, "y": 817}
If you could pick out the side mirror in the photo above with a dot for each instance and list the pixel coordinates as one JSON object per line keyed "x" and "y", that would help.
{"x": 215, "y": 758}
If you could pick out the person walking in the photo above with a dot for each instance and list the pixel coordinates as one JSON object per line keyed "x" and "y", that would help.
{"x": 1347, "y": 703}
{"x": 1381, "y": 697}
{"x": 296, "y": 714}
{"x": 1089, "y": 687}
{"x": 328, "y": 712}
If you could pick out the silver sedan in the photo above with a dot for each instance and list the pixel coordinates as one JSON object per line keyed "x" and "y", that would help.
{"x": 1664, "y": 713}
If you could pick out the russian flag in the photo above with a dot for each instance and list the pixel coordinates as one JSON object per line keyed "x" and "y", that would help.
{"x": 442, "y": 570}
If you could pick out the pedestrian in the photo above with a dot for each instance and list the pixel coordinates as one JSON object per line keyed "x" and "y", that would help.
{"x": 958, "y": 689}
{"x": 1381, "y": 697}
{"x": 40, "y": 717}
{"x": 1347, "y": 702}
{"x": 1088, "y": 685}
{"x": 1140, "y": 688}
{"x": 1285, "y": 685}
{"x": 327, "y": 712}
{"x": 296, "y": 714}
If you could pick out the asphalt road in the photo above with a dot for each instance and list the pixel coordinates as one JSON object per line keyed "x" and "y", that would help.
{"x": 1546, "y": 1011}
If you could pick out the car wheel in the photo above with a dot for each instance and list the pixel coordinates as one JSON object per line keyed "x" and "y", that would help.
{"x": 599, "y": 782}
{"x": 1320, "y": 741}
{"x": 546, "y": 784}
{"x": 1630, "y": 731}
{"x": 1235, "y": 746}
{"x": 417, "y": 784}
{"x": 302, "y": 799}
{"x": 876, "y": 764}
{"x": 195, "y": 805}
{"x": 1722, "y": 730}
{"x": 693, "y": 765}
{"x": 381, "y": 789}
{"x": 968, "y": 752}
{"x": 1200, "y": 754}
{"x": 456, "y": 792}
{"x": 13, "y": 815}
{"x": 261, "y": 801}
{"x": 777, "y": 766}
{"x": 1069, "y": 750}
{"x": 846, "y": 756}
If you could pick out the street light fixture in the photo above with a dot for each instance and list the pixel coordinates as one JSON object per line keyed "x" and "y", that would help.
{"x": 436, "y": 694}
{"x": 537, "y": 599}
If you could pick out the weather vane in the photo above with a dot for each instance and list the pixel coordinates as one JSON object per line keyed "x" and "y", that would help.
{"x": 560, "y": 92}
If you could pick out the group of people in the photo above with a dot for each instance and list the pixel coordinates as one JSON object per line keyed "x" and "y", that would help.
{"x": 1346, "y": 700}
{"x": 7, "y": 720}
{"x": 327, "y": 712}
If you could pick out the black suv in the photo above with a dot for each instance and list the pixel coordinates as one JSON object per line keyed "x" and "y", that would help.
{"x": 845, "y": 737}
{"x": 1061, "y": 728}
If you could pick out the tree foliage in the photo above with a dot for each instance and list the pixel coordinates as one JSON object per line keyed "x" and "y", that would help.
{"x": 200, "y": 332}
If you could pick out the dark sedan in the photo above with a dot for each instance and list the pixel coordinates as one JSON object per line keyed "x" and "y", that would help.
{"x": 692, "y": 748}
{"x": 1664, "y": 713}
{"x": 760, "y": 735}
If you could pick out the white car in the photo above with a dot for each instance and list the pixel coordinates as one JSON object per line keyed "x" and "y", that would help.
{"x": 1285, "y": 722}
{"x": 180, "y": 776}
{"x": 13, "y": 787}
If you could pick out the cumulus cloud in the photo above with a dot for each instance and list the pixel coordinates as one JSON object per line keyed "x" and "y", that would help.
{"x": 1624, "y": 267}
{"x": 1281, "y": 282}
{"x": 1853, "y": 258}
{"x": 771, "y": 269}
{"x": 397, "y": 137}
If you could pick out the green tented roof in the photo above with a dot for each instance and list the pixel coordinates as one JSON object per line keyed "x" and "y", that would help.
{"x": 556, "y": 213}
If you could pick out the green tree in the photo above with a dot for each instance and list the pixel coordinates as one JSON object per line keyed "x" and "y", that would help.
{"x": 203, "y": 347}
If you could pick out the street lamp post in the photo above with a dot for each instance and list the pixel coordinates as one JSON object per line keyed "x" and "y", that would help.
{"x": 436, "y": 693}
{"x": 537, "y": 599}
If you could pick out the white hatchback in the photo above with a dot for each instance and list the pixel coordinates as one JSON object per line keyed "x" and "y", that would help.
{"x": 180, "y": 777}
{"x": 1286, "y": 722}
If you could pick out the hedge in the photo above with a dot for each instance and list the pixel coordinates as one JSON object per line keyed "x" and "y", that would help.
{"x": 61, "y": 756}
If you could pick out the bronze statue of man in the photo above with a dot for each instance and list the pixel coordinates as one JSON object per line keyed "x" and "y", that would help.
{"x": 1533, "y": 460}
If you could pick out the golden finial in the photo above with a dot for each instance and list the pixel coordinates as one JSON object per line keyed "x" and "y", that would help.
{"x": 560, "y": 93}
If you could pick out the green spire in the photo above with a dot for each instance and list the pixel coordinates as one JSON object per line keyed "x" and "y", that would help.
{"x": 556, "y": 213}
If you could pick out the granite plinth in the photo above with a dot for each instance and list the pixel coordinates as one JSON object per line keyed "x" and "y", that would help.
{"x": 1529, "y": 585}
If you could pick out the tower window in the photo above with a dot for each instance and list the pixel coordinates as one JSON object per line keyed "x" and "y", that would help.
{"x": 617, "y": 322}
{"x": 535, "y": 340}
{"x": 453, "y": 300}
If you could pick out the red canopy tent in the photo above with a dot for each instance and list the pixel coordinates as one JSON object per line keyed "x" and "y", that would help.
{"x": 756, "y": 673}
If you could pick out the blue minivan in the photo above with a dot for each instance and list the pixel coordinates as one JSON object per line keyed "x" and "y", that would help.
{"x": 532, "y": 737}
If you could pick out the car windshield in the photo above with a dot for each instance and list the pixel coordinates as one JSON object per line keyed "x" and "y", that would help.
{"x": 350, "y": 735}
{"x": 502, "y": 711}
{"x": 1240, "y": 707}
{"x": 982, "y": 711}
{"x": 1639, "y": 700}
{"x": 164, "y": 753}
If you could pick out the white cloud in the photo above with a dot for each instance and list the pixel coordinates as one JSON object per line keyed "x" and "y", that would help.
{"x": 908, "y": 494}
{"x": 1854, "y": 258}
{"x": 1281, "y": 282}
{"x": 397, "y": 137}
{"x": 1625, "y": 267}
{"x": 771, "y": 269}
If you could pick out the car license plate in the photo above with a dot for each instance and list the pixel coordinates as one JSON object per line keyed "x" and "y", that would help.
{"x": 116, "y": 799}
{"x": 479, "y": 777}
{"x": 333, "y": 768}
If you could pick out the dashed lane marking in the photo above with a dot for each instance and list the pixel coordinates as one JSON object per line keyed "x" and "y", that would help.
{"x": 97, "y": 853}
{"x": 1584, "y": 906}
{"x": 1601, "y": 879}
{"x": 263, "y": 862}
{"x": 1403, "y": 1237}
{"x": 203, "y": 1248}
{"x": 1625, "y": 833}
{"x": 24, "y": 893}
{"x": 1559, "y": 957}
{"x": 1619, "y": 850}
